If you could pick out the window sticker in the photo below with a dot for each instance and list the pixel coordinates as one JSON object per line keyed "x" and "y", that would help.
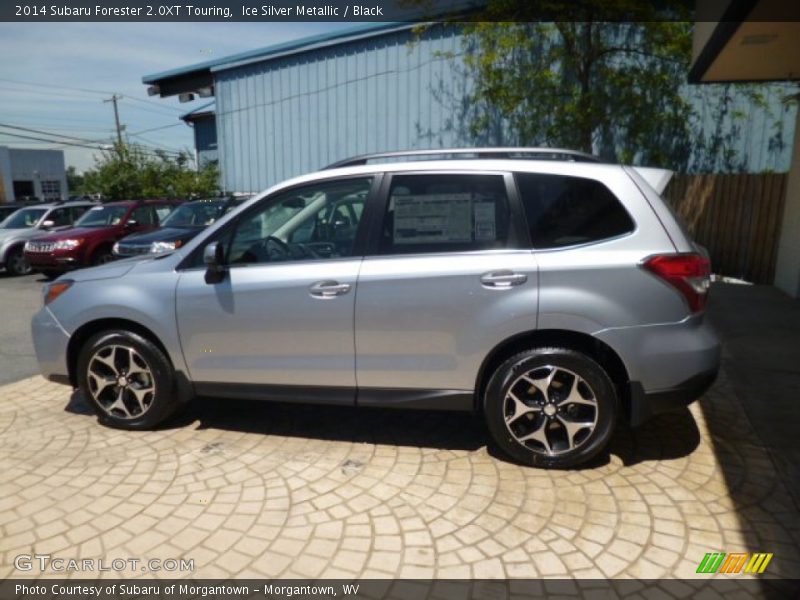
{"x": 485, "y": 229}
{"x": 427, "y": 218}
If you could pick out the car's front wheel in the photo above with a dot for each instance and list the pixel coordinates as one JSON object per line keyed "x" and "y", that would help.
{"x": 16, "y": 263}
{"x": 127, "y": 379}
{"x": 550, "y": 407}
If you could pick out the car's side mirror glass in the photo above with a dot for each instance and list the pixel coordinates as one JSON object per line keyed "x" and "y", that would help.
{"x": 131, "y": 223}
{"x": 48, "y": 224}
{"x": 214, "y": 259}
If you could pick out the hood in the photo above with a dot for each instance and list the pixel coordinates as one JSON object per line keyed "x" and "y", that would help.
{"x": 82, "y": 232}
{"x": 165, "y": 234}
{"x": 107, "y": 271}
{"x": 7, "y": 234}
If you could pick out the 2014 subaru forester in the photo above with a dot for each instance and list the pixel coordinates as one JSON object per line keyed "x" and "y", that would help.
{"x": 551, "y": 293}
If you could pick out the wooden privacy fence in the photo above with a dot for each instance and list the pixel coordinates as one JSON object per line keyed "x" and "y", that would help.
{"x": 736, "y": 216}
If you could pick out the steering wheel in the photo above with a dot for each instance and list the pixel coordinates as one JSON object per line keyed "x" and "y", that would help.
{"x": 276, "y": 248}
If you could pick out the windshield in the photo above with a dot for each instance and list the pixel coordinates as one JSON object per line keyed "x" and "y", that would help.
{"x": 102, "y": 216}
{"x": 24, "y": 218}
{"x": 196, "y": 214}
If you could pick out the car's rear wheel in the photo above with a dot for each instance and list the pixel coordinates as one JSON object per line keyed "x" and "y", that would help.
{"x": 127, "y": 379}
{"x": 551, "y": 407}
{"x": 16, "y": 264}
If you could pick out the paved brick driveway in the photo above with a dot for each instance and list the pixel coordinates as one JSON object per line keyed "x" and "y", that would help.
{"x": 291, "y": 491}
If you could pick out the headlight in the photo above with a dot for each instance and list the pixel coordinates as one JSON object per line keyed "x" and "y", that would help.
{"x": 158, "y": 247}
{"x": 55, "y": 289}
{"x": 115, "y": 248}
{"x": 70, "y": 244}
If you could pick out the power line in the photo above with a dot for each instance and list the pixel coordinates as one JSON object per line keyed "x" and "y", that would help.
{"x": 89, "y": 91}
{"x": 154, "y": 129}
{"x": 69, "y": 142}
{"x": 41, "y": 132}
{"x": 63, "y": 143}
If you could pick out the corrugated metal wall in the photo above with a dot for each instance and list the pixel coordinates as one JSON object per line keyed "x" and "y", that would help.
{"x": 293, "y": 115}
{"x": 287, "y": 116}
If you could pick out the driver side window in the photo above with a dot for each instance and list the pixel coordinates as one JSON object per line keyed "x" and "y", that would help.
{"x": 315, "y": 222}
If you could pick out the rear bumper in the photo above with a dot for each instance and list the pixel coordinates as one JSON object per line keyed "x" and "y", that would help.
{"x": 645, "y": 405}
{"x": 669, "y": 365}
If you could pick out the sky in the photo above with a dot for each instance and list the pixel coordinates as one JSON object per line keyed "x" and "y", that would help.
{"x": 55, "y": 76}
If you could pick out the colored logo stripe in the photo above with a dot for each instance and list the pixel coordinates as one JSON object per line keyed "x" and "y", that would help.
{"x": 758, "y": 563}
{"x": 711, "y": 562}
{"x": 734, "y": 562}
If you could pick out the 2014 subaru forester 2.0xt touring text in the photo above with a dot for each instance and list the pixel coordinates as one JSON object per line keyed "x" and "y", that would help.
{"x": 547, "y": 291}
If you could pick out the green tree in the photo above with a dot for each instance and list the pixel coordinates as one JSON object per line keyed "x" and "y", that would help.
{"x": 132, "y": 172}
{"x": 603, "y": 76}
{"x": 74, "y": 180}
{"x": 612, "y": 88}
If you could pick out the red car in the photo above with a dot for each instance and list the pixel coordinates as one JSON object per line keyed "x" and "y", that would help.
{"x": 90, "y": 241}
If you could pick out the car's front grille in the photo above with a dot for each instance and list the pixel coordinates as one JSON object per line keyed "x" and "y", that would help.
{"x": 41, "y": 246}
{"x": 131, "y": 250}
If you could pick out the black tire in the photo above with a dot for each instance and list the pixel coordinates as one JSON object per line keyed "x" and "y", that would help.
{"x": 102, "y": 256}
{"x": 50, "y": 275}
{"x": 160, "y": 404}
{"x": 16, "y": 263}
{"x": 537, "y": 360}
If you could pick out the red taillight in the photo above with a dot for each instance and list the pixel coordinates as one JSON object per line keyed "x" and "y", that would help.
{"x": 690, "y": 274}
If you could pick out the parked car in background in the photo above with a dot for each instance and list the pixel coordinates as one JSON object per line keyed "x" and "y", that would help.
{"x": 29, "y": 222}
{"x": 548, "y": 292}
{"x": 94, "y": 234}
{"x": 7, "y": 209}
{"x": 179, "y": 227}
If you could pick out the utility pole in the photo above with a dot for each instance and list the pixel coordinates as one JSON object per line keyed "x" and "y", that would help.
{"x": 113, "y": 100}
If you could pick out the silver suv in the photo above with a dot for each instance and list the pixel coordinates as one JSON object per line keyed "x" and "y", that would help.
{"x": 29, "y": 222}
{"x": 547, "y": 291}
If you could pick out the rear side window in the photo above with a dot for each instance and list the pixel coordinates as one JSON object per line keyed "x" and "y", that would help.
{"x": 59, "y": 217}
{"x": 565, "y": 211}
{"x": 445, "y": 213}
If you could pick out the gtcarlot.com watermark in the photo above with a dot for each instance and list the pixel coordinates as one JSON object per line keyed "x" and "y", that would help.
{"x": 46, "y": 563}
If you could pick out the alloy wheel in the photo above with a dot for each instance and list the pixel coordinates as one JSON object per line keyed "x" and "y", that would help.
{"x": 18, "y": 264}
{"x": 121, "y": 382}
{"x": 550, "y": 410}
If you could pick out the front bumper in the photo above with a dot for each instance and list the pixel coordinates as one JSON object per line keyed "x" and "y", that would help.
{"x": 50, "y": 342}
{"x": 64, "y": 260}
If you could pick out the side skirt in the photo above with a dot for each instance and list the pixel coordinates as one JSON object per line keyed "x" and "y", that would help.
{"x": 424, "y": 399}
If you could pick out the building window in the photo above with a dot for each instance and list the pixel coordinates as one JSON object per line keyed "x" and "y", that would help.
{"x": 51, "y": 190}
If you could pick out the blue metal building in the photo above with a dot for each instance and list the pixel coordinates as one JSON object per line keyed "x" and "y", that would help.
{"x": 204, "y": 123}
{"x": 292, "y": 108}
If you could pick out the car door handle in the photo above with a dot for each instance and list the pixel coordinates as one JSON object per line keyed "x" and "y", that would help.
{"x": 328, "y": 289}
{"x": 503, "y": 279}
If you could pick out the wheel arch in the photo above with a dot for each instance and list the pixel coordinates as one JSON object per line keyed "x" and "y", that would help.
{"x": 596, "y": 349}
{"x": 87, "y": 330}
{"x": 92, "y": 251}
{"x": 10, "y": 247}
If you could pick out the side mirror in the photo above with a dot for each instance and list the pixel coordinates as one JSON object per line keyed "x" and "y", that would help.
{"x": 131, "y": 224}
{"x": 48, "y": 224}
{"x": 214, "y": 259}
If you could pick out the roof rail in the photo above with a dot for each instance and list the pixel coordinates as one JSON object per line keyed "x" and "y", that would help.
{"x": 472, "y": 153}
